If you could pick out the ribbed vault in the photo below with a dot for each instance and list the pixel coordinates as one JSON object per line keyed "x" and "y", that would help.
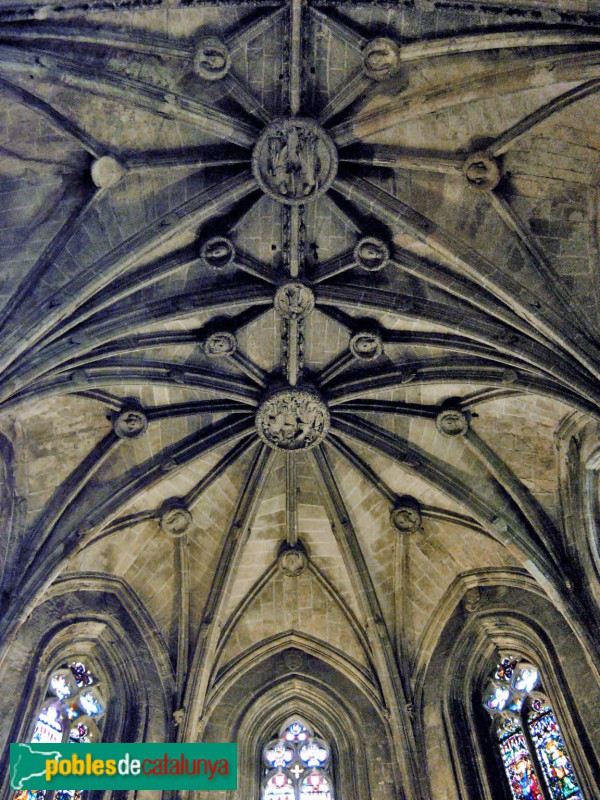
{"x": 295, "y": 299}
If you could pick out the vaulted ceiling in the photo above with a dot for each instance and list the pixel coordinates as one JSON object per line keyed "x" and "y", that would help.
{"x": 295, "y": 298}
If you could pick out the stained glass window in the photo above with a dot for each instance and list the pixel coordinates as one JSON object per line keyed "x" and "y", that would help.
{"x": 279, "y": 786}
{"x": 529, "y": 737}
{"x": 70, "y": 713}
{"x": 297, "y": 765}
{"x": 315, "y": 785}
{"x": 518, "y": 766}
{"x": 552, "y": 754}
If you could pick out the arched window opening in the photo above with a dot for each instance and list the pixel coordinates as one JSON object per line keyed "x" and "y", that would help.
{"x": 529, "y": 737}
{"x": 297, "y": 765}
{"x": 72, "y": 712}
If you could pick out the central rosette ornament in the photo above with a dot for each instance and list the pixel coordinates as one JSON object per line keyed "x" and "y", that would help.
{"x": 292, "y": 419}
{"x": 294, "y": 160}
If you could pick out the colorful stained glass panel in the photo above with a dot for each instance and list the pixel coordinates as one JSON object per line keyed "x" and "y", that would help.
{"x": 505, "y": 669}
{"x": 279, "y": 753}
{"x": 522, "y": 778}
{"x": 63, "y": 684}
{"x": 297, "y": 765}
{"x": 551, "y": 751}
{"x": 314, "y": 753}
{"x": 48, "y": 727}
{"x": 279, "y": 787}
{"x": 91, "y": 703}
{"x": 496, "y": 697}
{"x": 315, "y": 785}
{"x": 525, "y": 679}
{"x": 83, "y": 677}
{"x": 75, "y": 700}
{"x": 296, "y": 732}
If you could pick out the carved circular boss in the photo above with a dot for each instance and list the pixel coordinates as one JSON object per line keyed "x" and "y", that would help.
{"x": 294, "y": 300}
{"x": 292, "y": 559}
{"x": 220, "y": 344}
{"x": 212, "y": 59}
{"x": 381, "y": 58}
{"x": 452, "y": 422}
{"x": 366, "y": 345}
{"x": 294, "y": 160}
{"x": 175, "y": 519}
{"x": 371, "y": 253}
{"x": 130, "y": 422}
{"x": 406, "y": 515}
{"x": 292, "y": 419}
{"x": 482, "y": 172}
{"x": 217, "y": 252}
{"x": 107, "y": 171}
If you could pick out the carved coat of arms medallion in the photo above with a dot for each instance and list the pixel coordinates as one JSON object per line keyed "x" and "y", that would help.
{"x": 294, "y": 160}
{"x": 294, "y": 300}
{"x": 292, "y": 419}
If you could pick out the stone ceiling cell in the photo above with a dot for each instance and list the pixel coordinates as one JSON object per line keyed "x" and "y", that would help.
{"x": 307, "y": 275}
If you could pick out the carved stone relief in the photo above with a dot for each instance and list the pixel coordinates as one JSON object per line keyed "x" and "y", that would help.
{"x": 381, "y": 58}
{"x": 294, "y": 160}
{"x": 292, "y": 419}
{"x": 472, "y": 599}
{"x": 371, "y": 254}
{"x": 217, "y": 252}
{"x": 482, "y": 172}
{"x": 130, "y": 422}
{"x": 79, "y": 376}
{"x": 292, "y": 560}
{"x": 294, "y": 300}
{"x": 366, "y": 345}
{"x": 220, "y": 344}
{"x": 288, "y": 341}
{"x": 177, "y": 375}
{"x": 178, "y": 717}
{"x": 294, "y": 660}
{"x": 175, "y": 518}
{"x": 452, "y": 422}
{"x": 509, "y": 376}
{"x": 406, "y": 515}
{"x": 211, "y": 59}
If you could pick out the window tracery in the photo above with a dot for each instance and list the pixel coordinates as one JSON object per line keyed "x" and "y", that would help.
{"x": 297, "y": 765}
{"x": 70, "y": 713}
{"x": 531, "y": 744}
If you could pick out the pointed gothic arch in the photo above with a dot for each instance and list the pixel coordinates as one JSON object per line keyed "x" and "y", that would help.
{"x": 291, "y": 684}
{"x": 99, "y": 622}
{"x": 490, "y": 620}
